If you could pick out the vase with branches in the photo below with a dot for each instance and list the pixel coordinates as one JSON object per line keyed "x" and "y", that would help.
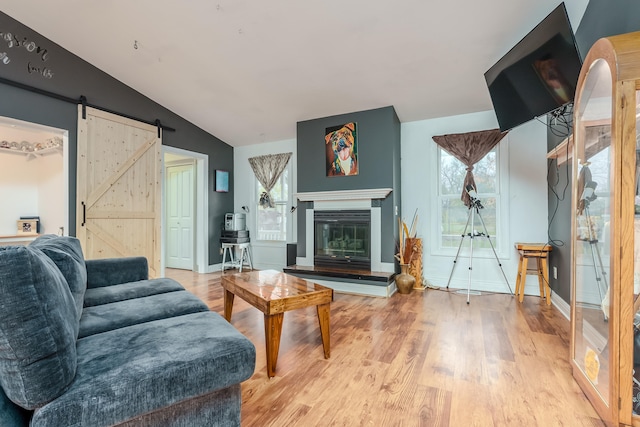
{"x": 406, "y": 250}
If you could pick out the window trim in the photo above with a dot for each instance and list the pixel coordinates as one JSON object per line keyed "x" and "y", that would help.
{"x": 502, "y": 209}
{"x": 285, "y": 202}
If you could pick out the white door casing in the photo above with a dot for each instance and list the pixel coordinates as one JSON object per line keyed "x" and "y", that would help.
{"x": 201, "y": 216}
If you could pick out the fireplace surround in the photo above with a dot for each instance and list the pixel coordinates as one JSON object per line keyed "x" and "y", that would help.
{"x": 378, "y": 281}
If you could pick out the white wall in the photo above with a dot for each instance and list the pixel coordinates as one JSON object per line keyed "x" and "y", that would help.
{"x": 51, "y": 190}
{"x": 266, "y": 255}
{"x": 527, "y": 204}
{"x": 18, "y": 191}
{"x": 32, "y": 187}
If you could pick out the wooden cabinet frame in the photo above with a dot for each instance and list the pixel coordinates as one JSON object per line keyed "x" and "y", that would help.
{"x": 622, "y": 56}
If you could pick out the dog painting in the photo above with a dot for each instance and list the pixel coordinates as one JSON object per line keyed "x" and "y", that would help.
{"x": 341, "y": 147}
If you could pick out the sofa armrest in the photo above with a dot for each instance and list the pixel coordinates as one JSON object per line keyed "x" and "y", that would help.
{"x": 114, "y": 271}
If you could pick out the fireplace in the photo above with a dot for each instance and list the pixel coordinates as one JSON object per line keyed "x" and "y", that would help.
{"x": 375, "y": 276}
{"x": 338, "y": 202}
{"x": 342, "y": 239}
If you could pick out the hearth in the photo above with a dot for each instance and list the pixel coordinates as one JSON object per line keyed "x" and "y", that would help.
{"x": 342, "y": 239}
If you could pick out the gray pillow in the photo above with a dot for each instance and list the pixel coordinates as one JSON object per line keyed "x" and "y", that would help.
{"x": 66, "y": 253}
{"x": 38, "y": 327}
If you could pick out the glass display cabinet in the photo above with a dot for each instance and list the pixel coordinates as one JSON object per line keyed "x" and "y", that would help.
{"x": 606, "y": 229}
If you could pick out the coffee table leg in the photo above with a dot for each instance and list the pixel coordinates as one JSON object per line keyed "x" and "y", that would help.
{"x": 272, "y": 332}
{"x": 323, "y": 317}
{"x": 228, "y": 304}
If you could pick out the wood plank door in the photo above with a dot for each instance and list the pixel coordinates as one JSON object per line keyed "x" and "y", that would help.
{"x": 119, "y": 187}
{"x": 179, "y": 209}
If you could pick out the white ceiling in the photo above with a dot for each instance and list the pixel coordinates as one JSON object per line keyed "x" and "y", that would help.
{"x": 247, "y": 71}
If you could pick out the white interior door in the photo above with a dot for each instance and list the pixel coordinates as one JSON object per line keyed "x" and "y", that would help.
{"x": 179, "y": 192}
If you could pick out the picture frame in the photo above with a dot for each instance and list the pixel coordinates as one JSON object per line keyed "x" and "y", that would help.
{"x": 222, "y": 181}
{"x": 27, "y": 226}
{"x": 341, "y": 150}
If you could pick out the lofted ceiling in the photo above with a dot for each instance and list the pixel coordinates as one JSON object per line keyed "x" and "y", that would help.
{"x": 247, "y": 71}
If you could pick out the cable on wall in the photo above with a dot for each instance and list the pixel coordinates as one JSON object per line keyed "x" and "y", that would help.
{"x": 563, "y": 119}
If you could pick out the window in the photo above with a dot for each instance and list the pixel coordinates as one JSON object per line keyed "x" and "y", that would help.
{"x": 454, "y": 215}
{"x": 272, "y": 222}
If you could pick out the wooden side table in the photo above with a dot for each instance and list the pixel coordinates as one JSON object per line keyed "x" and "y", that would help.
{"x": 539, "y": 252}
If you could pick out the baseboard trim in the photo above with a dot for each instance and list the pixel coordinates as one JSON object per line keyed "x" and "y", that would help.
{"x": 561, "y": 305}
{"x": 214, "y": 268}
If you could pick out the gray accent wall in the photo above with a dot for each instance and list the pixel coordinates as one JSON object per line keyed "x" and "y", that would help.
{"x": 559, "y": 203}
{"x": 37, "y": 62}
{"x": 378, "y": 160}
{"x": 602, "y": 18}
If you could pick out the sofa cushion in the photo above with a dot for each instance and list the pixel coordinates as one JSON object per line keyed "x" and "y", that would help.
{"x": 11, "y": 415}
{"x": 106, "y": 317}
{"x": 38, "y": 327}
{"x": 125, "y": 291}
{"x": 142, "y": 368}
{"x": 66, "y": 253}
{"x": 114, "y": 271}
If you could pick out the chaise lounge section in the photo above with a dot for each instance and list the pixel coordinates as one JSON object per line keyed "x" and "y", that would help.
{"x": 96, "y": 343}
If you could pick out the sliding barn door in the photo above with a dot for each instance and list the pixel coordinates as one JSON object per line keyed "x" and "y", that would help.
{"x": 119, "y": 188}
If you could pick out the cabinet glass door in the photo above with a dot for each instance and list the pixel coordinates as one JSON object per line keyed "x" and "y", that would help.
{"x": 593, "y": 222}
{"x": 635, "y": 402}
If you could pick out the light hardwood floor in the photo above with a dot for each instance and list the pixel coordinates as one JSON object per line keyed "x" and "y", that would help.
{"x": 423, "y": 359}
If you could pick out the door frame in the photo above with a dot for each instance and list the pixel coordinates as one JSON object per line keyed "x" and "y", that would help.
{"x": 201, "y": 223}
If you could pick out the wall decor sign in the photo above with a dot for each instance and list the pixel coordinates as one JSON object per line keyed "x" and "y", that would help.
{"x": 222, "y": 181}
{"x": 13, "y": 41}
{"x": 341, "y": 150}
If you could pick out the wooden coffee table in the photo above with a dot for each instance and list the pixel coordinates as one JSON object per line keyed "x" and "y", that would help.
{"x": 273, "y": 293}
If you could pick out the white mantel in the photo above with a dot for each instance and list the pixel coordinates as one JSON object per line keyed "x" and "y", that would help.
{"x": 364, "y": 194}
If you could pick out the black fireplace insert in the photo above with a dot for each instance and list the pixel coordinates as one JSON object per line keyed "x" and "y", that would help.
{"x": 343, "y": 239}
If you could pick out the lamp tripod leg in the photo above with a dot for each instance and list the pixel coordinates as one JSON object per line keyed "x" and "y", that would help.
{"x": 473, "y": 209}
{"x": 486, "y": 233}
{"x": 455, "y": 260}
{"x": 598, "y": 268}
{"x": 470, "y": 255}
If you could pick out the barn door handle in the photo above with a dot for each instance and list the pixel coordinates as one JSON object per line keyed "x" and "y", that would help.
{"x": 84, "y": 214}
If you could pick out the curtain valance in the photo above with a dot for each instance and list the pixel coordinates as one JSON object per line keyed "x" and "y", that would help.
{"x": 469, "y": 148}
{"x": 268, "y": 169}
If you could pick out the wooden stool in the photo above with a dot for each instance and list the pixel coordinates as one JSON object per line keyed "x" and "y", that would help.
{"x": 539, "y": 251}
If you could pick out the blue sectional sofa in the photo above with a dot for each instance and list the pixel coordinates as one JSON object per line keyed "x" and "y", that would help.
{"x": 96, "y": 343}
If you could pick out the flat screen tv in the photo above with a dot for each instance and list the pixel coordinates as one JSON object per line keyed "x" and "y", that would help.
{"x": 538, "y": 75}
